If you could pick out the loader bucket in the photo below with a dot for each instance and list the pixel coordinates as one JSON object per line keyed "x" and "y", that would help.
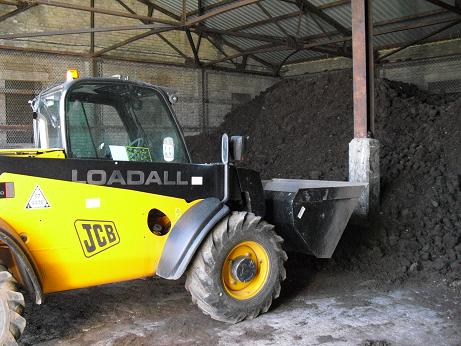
{"x": 310, "y": 215}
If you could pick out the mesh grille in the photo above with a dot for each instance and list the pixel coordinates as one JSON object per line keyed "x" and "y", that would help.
{"x": 436, "y": 75}
{"x": 204, "y": 97}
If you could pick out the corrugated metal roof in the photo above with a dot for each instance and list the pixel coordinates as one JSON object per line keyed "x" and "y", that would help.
{"x": 386, "y": 15}
{"x": 278, "y": 8}
{"x": 340, "y": 14}
{"x": 297, "y": 27}
{"x": 243, "y": 43}
{"x": 275, "y": 57}
{"x": 236, "y": 18}
{"x": 176, "y": 6}
{"x": 384, "y": 10}
{"x": 304, "y": 55}
{"x": 305, "y": 25}
{"x": 267, "y": 29}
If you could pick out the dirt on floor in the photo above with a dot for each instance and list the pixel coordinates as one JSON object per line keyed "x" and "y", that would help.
{"x": 315, "y": 308}
{"x": 301, "y": 128}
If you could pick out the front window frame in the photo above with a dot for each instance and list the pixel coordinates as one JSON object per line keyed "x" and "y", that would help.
{"x": 42, "y": 121}
{"x": 69, "y": 86}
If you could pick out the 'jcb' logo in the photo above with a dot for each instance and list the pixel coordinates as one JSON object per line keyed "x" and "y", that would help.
{"x": 96, "y": 236}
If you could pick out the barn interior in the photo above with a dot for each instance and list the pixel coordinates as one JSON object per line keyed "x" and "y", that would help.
{"x": 351, "y": 90}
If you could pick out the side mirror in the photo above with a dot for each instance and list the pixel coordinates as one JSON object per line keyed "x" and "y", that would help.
{"x": 237, "y": 147}
{"x": 225, "y": 161}
{"x": 225, "y": 149}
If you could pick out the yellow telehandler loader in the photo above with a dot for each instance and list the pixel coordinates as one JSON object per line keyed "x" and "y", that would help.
{"x": 108, "y": 193}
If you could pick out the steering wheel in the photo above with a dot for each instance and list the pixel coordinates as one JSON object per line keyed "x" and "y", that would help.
{"x": 137, "y": 142}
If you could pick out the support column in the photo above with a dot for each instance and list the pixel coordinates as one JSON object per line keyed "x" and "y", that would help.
{"x": 94, "y": 63}
{"x": 363, "y": 149}
{"x": 364, "y": 168}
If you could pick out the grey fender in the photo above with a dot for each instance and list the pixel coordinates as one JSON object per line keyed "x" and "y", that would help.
{"x": 26, "y": 267}
{"x": 187, "y": 235}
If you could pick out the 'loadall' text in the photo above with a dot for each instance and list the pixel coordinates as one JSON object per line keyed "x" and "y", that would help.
{"x": 117, "y": 177}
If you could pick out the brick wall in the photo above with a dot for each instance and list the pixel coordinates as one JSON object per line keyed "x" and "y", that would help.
{"x": 204, "y": 96}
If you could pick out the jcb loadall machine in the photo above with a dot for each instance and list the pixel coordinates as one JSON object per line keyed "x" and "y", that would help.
{"x": 109, "y": 194}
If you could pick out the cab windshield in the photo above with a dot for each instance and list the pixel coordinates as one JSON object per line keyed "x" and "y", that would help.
{"x": 121, "y": 121}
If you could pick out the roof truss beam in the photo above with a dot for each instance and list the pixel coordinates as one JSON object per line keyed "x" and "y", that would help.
{"x": 94, "y": 10}
{"x": 289, "y": 41}
{"x": 275, "y": 48}
{"x": 267, "y": 21}
{"x": 176, "y": 49}
{"x": 211, "y": 34}
{"x": 194, "y": 21}
{"x": 254, "y": 57}
{"x": 193, "y": 47}
{"x": 378, "y": 32}
{"x": 218, "y": 48}
{"x": 306, "y": 6}
{"x": 160, "y": 9}
{"x": 241, "y": 34}
{"x": 20, "y": 8}
{"x": 443, "y": 4}
{"x": 419, "y": 40}
{"x": 269, "y": 16}
{"x": 220, "y": 10}
{"x": 332, "y": 4}
{"x": 87, "y": 31}
{"x": 203, "y": 9}
{"x": 131, "y": 14}
{"x": 128, "y": 41}
{"x": 150, "y": 9}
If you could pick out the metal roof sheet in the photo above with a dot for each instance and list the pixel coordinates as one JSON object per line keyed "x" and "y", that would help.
{"x": 236, "y": 18}
{"x": 399, "y": 18}
{"x": 305, "y": 54}
{"x": 244, "y": 42}
{"x": 387, "y": 15}
{"x": 267, "y": 29}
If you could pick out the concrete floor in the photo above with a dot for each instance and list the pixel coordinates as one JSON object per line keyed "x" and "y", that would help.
{"x": 323, "y": 309}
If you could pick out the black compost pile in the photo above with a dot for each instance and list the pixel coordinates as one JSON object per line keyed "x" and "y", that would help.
{"x": 296, "y": 129}
{"x": 300, "y": 128}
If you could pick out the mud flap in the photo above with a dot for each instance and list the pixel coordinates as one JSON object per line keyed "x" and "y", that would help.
{"x": 23, "y": 259}
{"x": 187, "y": 235}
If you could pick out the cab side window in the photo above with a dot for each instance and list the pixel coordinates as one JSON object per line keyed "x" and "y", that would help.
{"x": 79, "y": 125}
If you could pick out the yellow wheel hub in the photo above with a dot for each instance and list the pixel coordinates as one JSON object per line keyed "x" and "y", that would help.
{"x": 255, "y": 259}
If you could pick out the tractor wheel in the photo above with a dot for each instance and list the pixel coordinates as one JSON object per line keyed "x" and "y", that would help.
{"x": 12, "y": 324}
{"x": 238, "y": 269}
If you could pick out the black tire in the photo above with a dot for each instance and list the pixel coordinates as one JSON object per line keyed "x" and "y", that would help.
{"x": 204, "y": 280}
{"x": 12, "y": 304}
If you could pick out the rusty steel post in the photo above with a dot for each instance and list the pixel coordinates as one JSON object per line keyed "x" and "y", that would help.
{"x": 94, "y": 66}
{"x": 363, "y": 68}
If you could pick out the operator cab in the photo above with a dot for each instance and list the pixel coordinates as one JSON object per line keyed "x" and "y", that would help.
{"x": 110, "y": 119}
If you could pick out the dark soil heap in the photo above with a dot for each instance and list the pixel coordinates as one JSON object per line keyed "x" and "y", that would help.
{"x": 296, "y": 129}
{"x": 302, "y": 128}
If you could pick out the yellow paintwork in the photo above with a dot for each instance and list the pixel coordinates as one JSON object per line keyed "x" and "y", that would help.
{"x": 42, "y": 153}
{"x": 53, "y": 239}
{"x": 245, "y": 290}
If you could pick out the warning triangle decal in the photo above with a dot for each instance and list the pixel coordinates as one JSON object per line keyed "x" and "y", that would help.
{"x": 37, "y": 200}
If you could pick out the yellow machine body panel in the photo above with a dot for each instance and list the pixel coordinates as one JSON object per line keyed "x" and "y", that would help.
{"x": 42, "y": 153}
{"x": 83, "y": 235}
